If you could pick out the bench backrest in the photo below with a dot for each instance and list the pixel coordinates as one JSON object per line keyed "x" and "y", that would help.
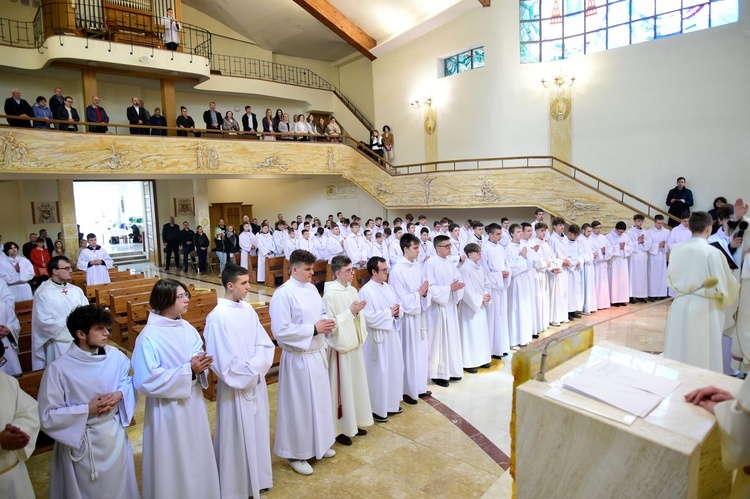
{"x": 274, "y": 266}
{"x": 105, "y": 296}
{"x": 23, "y": 313}
{"x": 90, "y": 289}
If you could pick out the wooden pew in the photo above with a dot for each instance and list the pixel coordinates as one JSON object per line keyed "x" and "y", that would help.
{"x": 119, "y": 310}
{"x": 117, "y": 282}
{"x": 361, "y": 276}
{"x": 104, "y": 295}
{"x": 274, "y": 266}
{"x": 321, "y": 270}
{"x": 23, "y": 313}
{"x": 29, "y": 382}
{"x": 253, "y": 270}
{"x": 137, "y": 313}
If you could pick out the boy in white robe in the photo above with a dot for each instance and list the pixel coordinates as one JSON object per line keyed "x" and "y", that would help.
{"x": 384, "y": 361}
{"x": 558, "y": 278}
{"x": 378, "y": 249}
{"x": 169, "y": 368}
{"x": 54, "y": 300}
{"x": 426, "y": 249}
{"x": 304, "y": 423}
{"x": 354, "y": 246}
{"x": 243, "y": 354}
{"x": 638, "y": 261}
{"x": 319, "y": 245}
{"x": 457, "y": 255}
{"x": 733, "y": 420}
{"x": 541, "y": 258}
{"x": 19, "y": 420}
{"x": 495, "y": 263}
{"x": 280, "y": 235}
{"x": 394, "y": 248}
{"x": 334, "y": 243}
{"x": 266, "y": 249}
{"x": 696, "y": 318}
{"x": 86, "y": 400}
{"x": 411, "y": 289}
{"x": 619, "y": 281}
{"x": 290, "y": 243}
{"x": 472, "y": 312}
{"x": 601, "y": 265}
{"x": 520, "y": 292}
{"x": 657, "y": 259}
{"x": 350, "y": 397}
{"x": 16, "y": 271}
{"x": 590, "y": 256}
{"x": 443, "y": 332}
{"x": 9, "y": 330}
{"x": 304, "y": 242}
{"x": 247, "y": 243}
{"x": 679, "y": 234}
{"x": 575, "y": 272}
{"x": 95, "y": 261}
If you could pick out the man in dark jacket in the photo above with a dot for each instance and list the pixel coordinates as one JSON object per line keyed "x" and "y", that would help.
{"x": 187, "y": 241}
{"x": 170, "y": 237}
{"x": 96, "y": 114}
{"x": 137, "y": 116}
{"x": 16, "y": 106}
{"x": 69, "y": 115}
{"x": 212, "y": 118}
{"x": 249, "y": 120}
{"x": 679, "y": 200}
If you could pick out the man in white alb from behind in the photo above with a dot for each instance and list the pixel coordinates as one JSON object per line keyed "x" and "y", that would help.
{"x": 243, "y": 354}
{"x": 19, "y": 420}
{"x": 304, "y": 423}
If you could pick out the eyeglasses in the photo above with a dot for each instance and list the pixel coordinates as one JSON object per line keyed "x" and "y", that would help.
{"x": 444, "y": 246}
{"x": 347, "y": 271}
{"x": 183, "y": 296}
{"x": 385, "y": 271}
{"x": 64, "y": 268}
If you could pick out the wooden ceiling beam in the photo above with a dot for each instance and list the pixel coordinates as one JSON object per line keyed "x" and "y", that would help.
{"x": 337, "y": 22}
{"x": 485, "y": 3}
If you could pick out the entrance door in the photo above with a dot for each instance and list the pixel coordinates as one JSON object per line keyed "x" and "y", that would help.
{"x": 150, "y": 241}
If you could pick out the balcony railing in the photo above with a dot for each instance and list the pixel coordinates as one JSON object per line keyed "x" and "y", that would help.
{"x": 19, "y": 34}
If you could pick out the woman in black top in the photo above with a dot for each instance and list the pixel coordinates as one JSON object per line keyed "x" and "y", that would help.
{"x": 200, "y": 243}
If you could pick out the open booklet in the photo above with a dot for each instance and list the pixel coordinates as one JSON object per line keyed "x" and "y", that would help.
{"x": 628, "y": 389}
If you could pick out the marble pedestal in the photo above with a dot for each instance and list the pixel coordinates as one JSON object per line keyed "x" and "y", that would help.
{"x": 568, "y": 452}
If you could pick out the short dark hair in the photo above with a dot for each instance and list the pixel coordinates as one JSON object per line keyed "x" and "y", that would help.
{"x": 583, "y": 227}
{"x": 558, "y": 221}
{"x": 453, "y": 227}
{"x": 476, "y": 223}
{"x": 638, "y": 216}
{"x": 372, "y": 264}
{"x": 472, "y": 248}
{"x": 407, "y": 240}
{"x": 40, "y": 98}
{"x": 397, "y": 228}
{"x": 491, "y": 228}
{"x": 164, "y": 294}
{"x": 513, "y": 228}
{"x": 574, "y": 229}
{"x": 620, "y": 226}
{"x": 247, "y": 107}
{"x": 540, "y": 225}
{"x": 440, "y": 239}
{"x": 231, "y": 272}
{"x": 659, "y": 216}
{"x": 183, "y": 107}
{"x": 681, "y": 178}
{"x": 597, "y": 223}
{"x": 338, "y": 262}
{"x": 504, "y": 219}
{"x": 53, "y": 264}
{"x": 724, "y": 211}
{"x": 524, "y": 225}
{"x": 8, "y": 245}
{"x": 90, "y": 235}
{"x": 699, "y": 220}
{"x": 538, "y": 210}
{"x": 424, "y": 230}
{"x": 387, "y": 231}
{"x": 85, "y": 317}
{"x": 301, "y": 257}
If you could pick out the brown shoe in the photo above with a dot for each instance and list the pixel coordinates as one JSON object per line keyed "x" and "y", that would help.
{"x": 344, "y": 440}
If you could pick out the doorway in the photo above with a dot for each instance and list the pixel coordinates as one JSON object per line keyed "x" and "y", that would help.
{"x": 121, "y": 214}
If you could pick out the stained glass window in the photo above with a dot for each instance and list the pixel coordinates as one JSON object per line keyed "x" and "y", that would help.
{"x": 551, "y": 30}
{"x": 465, "y": 61}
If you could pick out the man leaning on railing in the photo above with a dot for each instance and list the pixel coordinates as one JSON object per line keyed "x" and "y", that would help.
{"x": 16, "y": 106}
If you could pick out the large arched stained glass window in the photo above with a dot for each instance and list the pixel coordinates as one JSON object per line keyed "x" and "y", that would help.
{"x": 552, "y": 30}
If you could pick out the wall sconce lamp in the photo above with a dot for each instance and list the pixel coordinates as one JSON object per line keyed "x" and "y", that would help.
{"x": 560, "y": 105}
{"x": 559, "y": 82}
{"x": 425, "y": 101}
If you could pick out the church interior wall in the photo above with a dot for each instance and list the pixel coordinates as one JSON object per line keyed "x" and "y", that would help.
{"x": 355, "y": 79}
{"x": 15, "y": 10}
{"x": 642, "y": 115}
{"x": 166, "y": 192}
{"x": 16, "y": 197}
{"x": 292, "y": 196}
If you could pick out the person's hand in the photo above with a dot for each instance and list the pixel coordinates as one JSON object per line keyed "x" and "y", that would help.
{"x": 200, "y": 363}
{"x": 556, "y": 271}
{"x": 13, "y": 438}
{"x": 107, "y": 402}
{"x": 604, "y": 250}
{"x": 535, "y": 248}
{"x": 395, "y": 310}
{"x": 325, "y": 326}
{"x": 4, "y": 331}
{"x": 736, "y": 242}
{"x": 486, "y": 297}
{"x": 357, "y": 307}
{"x": 456, "y": 285}
{"x": 424, "y": 288}
{"x": 165, "y": 245}
{"x": 140, "y": 122}
{"x": 505, "y": 273}
{"x": 662, "y": 244}
{"x": 96, "y": 262}
{"x": 463, "y": 258}
{"x": 566, "y": 263}
{"x": 708, "y": 397}
{"x": 740, "y": 209}
{"x": 641, "y": 239}
{"x": 524, "y": 251}
{"x": 622, "y": 245}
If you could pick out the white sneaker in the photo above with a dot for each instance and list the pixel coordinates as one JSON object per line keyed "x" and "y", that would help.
{"x": 329, "y": 453}
{"x": 300, "y": 466}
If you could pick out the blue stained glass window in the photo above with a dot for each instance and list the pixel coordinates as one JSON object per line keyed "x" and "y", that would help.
{"x": 464, "y": 61}
{"x": 451, "y": 65}
{"x": 568, "y": 28}
{"x": 477, "y": 56}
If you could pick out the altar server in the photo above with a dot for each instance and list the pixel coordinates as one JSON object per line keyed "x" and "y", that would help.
{"x": 695, "y": 323}
{"x": 334, "y": 243}
{"x": 248, "y": 243}
{"x": 590, "y": 255}
{"x": 558, "y": 278}
{"x": 243, "y": 354}
{"x": 383, "y": 355}
{"x": 266, "y": 249}
{"x": 86, "y": 400}
{"x": 350, "y": 397}
{"x": 495, "y": 263}
{"x": 16, "y": 270}
{"x": 169, "y": 368}
{"x": 9, "y": 330}
{"x": 541, "y": 261}
{"x": 638, "y": 261}
{"x": 657, "y": 259}
{"x": 601, "y": 265}
{"x": 19, "y": 420}
{"x": 304, "y": 423}
{"x": 619, "y": 282}
{"x": 446, "y": 290}
{"x": 411, "y": 289}
{"x": 54, "y": 300}
{"x": 472, "y": 311}
{"x": 354, "y": 246}
{"x": 520, "y": 291}
{"x": 95, "y": 261}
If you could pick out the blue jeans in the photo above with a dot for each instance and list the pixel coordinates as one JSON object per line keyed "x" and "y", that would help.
{"x": 222, "y": 260}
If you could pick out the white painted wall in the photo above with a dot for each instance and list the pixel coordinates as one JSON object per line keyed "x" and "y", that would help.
{"x": 642, "y": 115}
{"x": 16, "y": 197}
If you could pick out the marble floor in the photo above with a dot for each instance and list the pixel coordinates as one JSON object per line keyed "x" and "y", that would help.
{"x": 453, "y": 444}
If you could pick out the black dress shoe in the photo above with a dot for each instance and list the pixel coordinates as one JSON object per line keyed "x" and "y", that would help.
{"x": 399, "y": 411}
{"x": 379, "y": 419}
{"x": 571, "y": 317}
{"x": 505, "y": 354}
{"x": 441, "y": 382}
{"x": 577, "y": 315}
{"x": 499, "y": 356}
{"x": 472, "y": 370}
{"x": 455, "y": 378}
{"x": 425, "y": 394}
{"x": 486, "y": 366}
{"x": 361, "y": 432}
{"x": 409, "y": 400}
{"x": 344, "y": 440}
{"x": 535, "y": 336}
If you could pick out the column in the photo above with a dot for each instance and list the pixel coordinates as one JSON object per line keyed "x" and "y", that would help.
{"x": 88, "y": 82}
{"x": 67, "y": 214}
{"x": 200, "y": 195}
{"x": 168, "y": 109}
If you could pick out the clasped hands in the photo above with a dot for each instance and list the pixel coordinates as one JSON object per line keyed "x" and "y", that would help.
{"x": 102, "y": 404}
